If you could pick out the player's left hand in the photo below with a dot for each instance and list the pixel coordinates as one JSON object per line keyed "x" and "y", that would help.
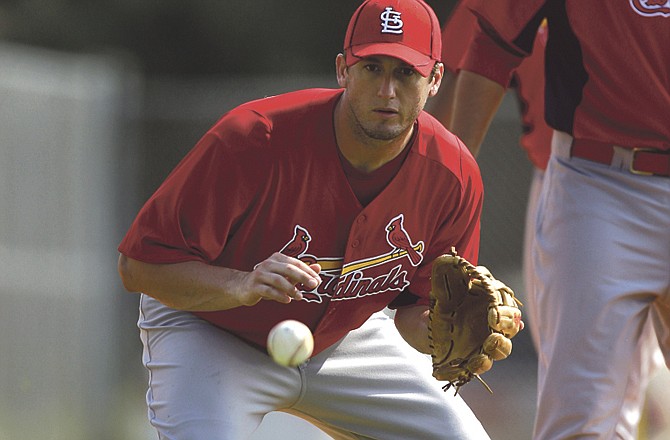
{"x": 472, "y": 319}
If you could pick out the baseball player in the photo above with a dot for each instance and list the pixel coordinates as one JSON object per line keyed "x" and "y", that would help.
{"x": 602, "y": 247}
{"x": 311, "y": 206}
{"x": 528, "y": 83}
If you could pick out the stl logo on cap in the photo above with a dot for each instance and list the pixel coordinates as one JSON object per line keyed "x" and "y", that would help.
{"x": 404, "y": 29}
{"x": 391, "y": 22}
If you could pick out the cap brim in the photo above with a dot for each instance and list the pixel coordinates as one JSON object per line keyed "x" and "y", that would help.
{"x": 420, "y": 62}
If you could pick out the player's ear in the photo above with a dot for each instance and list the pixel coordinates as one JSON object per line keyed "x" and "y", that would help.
{"x": 437, "y": 74}
{"x": 341, "y": 70}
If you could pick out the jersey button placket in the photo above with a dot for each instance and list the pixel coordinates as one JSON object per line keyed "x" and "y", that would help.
{"x": 360, "y": 221}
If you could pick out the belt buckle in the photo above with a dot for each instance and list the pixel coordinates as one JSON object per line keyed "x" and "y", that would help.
{"x": 636, "y": 150}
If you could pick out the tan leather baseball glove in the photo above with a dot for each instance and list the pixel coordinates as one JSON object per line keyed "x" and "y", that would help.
{"x": 473, "y": 316}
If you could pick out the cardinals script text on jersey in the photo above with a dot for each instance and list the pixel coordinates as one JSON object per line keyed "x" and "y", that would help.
{"x": 349, "y": 281}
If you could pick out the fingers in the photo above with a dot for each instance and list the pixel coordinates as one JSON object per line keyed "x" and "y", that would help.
{"x": 506, "y": 319}
{"x": 497, "y": 346}
{"x": 282, "y": 278}
{"x": 479, "y": 364}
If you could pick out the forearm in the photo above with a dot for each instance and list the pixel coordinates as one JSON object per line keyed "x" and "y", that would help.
{"x": 189, "y": 286}
{"x": 412, "y": 324}
{"x": 195, "y": 286}
{"x": 476, "y": 100}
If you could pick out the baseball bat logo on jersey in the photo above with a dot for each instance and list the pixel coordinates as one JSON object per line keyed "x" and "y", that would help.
{"x": 391, "y": 22}
{"x": 349, "y": 281}
{"x": 651, "y": 8}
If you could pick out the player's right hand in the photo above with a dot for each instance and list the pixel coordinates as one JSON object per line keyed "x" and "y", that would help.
{"x": 277, "y": 278}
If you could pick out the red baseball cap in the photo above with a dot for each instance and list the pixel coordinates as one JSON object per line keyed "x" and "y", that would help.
{"x": 405, "y": 29}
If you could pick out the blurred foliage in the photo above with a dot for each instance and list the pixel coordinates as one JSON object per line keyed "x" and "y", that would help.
{"x": 197, "y": 37}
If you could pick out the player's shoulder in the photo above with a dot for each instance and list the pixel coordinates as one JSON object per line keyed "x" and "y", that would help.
{"x": 253, "y": 122}
{"x": 299, "y": 102}
{"x": 443, "y": 149}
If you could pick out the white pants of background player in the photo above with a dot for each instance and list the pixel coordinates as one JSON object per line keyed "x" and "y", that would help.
{"x": 206, "y": 384}
{"x": 601, "y": 306}
{"x": 655, "y": 399}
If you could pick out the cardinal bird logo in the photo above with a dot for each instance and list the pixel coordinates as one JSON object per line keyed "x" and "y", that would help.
{"x": 398, "y": 238}
{"x": 298, "y": 244}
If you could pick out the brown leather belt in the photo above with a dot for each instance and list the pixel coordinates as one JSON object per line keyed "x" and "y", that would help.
{"x": 645, "y": 161}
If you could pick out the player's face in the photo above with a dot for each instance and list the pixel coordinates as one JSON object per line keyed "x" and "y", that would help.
{"x": 384, "y": 96}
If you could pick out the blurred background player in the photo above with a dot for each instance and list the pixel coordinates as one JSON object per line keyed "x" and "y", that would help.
{"x": 601, "y": 249}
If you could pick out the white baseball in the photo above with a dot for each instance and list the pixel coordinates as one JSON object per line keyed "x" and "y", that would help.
{"x": 290, "y": 343}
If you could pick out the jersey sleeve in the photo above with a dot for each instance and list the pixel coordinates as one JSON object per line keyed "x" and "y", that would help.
{"x": 457, "y": 34}
{"x": 193, "y": 212}
{"x": 502, "y": 39}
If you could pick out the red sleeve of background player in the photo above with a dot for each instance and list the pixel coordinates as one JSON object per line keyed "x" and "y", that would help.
{"x": 457, "y": 34}
{"x": 192, "y": 213}
{"x": 504, "y": 36}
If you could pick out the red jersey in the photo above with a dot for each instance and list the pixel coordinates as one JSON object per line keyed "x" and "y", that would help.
{"x": 607, "y": 63}
{"x": 267, "y": 177}
{"x": 458, "y": 34}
